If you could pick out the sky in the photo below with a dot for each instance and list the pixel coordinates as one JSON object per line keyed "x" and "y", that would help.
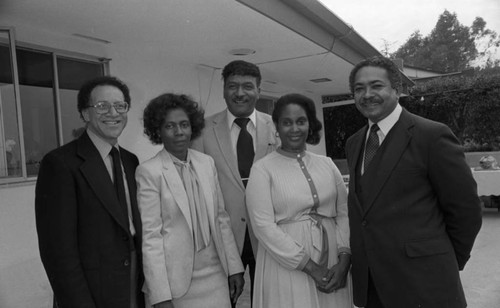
{"x": 395, "y": 20}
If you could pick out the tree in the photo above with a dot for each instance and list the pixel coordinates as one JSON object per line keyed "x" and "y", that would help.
{"x": 386, "y": 47}
{"x": 487, "y": 42}
{"x": 451, "y": 46}
{"x": 468, "y": 103}
{"x": 414, "y": 51}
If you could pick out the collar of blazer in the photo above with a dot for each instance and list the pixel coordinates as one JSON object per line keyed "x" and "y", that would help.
{"x": 175, "y": 184}
{"x": 96, "y": 174}
{"x": 266, "y": 140}
{"x": 398, "y": 139}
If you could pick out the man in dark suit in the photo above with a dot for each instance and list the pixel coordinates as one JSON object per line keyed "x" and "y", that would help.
{"x": 88, "y": 223}
{"x": 413, "y": 205}
{"x": 220, "y": 139}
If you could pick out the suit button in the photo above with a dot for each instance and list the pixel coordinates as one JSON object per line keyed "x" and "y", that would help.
{"x": 243, "y": 219}
{"x": 364, "y": 223}
{"x": 126, "y": 263}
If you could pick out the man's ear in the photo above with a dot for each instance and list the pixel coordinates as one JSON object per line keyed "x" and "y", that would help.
{"x": 398, "y": 92}
{"x": 85, "y": 115}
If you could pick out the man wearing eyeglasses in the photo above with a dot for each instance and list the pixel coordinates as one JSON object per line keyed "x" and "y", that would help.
{"x": 88, "y": 223}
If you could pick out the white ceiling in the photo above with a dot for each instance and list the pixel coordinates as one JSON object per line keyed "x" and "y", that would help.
{"x": 198, "y": 32}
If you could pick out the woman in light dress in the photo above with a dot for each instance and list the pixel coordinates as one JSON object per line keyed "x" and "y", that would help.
{"x": 189, "y": 253}
{"x": 297, "y": 204}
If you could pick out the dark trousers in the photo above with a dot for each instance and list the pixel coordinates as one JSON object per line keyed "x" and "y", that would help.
{"x": 134, "y": 301}
{"x": 248, "y": 259}
{"x": 373, "y": 300}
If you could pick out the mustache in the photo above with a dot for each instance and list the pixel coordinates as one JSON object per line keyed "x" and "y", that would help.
{"x": 372, "y": 100}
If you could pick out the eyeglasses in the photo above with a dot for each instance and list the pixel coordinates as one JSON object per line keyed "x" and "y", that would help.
{"x": 104, "y": 107}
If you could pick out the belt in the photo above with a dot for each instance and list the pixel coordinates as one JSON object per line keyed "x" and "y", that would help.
{"x": 319, "y": 233}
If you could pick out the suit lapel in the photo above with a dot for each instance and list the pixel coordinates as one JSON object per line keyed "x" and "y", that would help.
{"x": 357, "y": 146}
{"x": 129, "y": 166}
{"x": 223, "y": 138}
{"x": 266, "y": 141}
{"x": 393, "y": 148}
{"x": 175, "y": 185}
{"x": 96, "y": 174}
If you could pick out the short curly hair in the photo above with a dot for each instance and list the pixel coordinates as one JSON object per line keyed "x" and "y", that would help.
{"x": 378, "y": 61}
{"x": 241, "y": 68}
{"x": 157, "y": 109}
{"x": 90, "y": 85}
{"x": 309, "y": 107}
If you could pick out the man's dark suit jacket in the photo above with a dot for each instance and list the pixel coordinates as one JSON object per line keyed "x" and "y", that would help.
{"x": 414, "y": 215}
{"x": 84, "y": 241}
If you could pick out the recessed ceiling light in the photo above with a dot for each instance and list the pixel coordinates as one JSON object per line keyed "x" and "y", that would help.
{"x": 91, "y": 38}
{"x": 319, "y": 80}
{"x": 241, "y": 52}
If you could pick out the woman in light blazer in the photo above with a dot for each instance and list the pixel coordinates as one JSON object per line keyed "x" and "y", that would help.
{"x": 190, "y": 256}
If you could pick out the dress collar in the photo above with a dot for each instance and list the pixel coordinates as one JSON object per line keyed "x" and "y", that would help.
{"x": 290, "y": 154}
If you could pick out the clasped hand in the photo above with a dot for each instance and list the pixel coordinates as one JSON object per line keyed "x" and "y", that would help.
{"x": 333, "y": 279}
{"x": 328, "y": 280}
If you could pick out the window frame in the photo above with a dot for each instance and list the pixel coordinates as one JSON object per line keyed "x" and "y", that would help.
{"x": 55, "y": 53}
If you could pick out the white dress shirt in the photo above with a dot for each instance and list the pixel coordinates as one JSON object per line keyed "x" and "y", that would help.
{"x": 384, "y": 125}
{"x": 235, "y": 129}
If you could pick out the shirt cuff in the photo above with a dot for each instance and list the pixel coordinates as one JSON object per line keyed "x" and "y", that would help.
{"x": 303, "y": 263}
{"x": 344, "y": 250}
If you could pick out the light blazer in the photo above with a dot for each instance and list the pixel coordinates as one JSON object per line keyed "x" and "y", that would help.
{"x": 168, "y": 246}
{"x": 414, "y": 217}
{"x": 83, "y": 236}
{"x": 216, "y": 142}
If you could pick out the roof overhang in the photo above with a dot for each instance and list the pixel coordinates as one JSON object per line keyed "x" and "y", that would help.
{"x": 315, "y": 22}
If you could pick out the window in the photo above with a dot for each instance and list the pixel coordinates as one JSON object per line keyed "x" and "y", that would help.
{"x": 38, "y": 94}
{"x": 265, "y": 104}
{"x": 340, "y": 122}
{"x": 10, "y": 155}
{"x": 72, "y": 74}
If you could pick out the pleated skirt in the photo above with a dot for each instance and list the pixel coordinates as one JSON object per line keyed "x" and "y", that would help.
{"x": 279, "y": 287}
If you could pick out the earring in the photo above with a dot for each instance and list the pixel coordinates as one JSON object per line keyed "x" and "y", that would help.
{"x": 276, "y": 134}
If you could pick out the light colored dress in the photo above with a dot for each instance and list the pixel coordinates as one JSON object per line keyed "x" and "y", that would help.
{"x": 282, "y": 191}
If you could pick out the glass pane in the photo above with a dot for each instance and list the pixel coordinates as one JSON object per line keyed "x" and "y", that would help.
{"x": 265, "y": 105}
{"x": 10, "y": 152}
{"x": 38, "y": 108}
{"x": 340, "y": 123}
{"x": 72, "y": 74}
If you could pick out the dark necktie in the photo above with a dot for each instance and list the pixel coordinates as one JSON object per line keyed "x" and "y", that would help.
{"x": 244, "y": 149}
{"x": 119, "y": 183}
{"x": 372, "y": 145}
